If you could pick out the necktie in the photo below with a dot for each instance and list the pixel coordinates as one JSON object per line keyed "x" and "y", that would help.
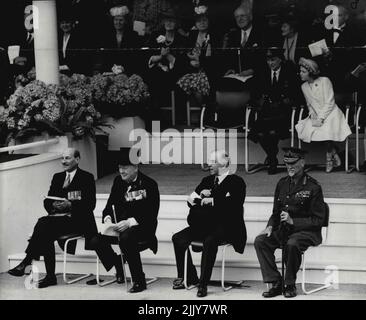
{"x": 244, "y": 38}
{"x": 67, "y": 181}
{"x": 292, "y": 184}
{"x": 275, "y": 79}
{"x": 216, "y": 183}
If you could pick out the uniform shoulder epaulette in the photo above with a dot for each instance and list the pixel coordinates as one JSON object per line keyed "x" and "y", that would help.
{"x": 313, "y": 180}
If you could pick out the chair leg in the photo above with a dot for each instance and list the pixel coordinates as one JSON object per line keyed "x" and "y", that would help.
{"x": 303, "y": 282}
{"x": 185, "y": 271}
{"x": 236, "y": 283}
{"x": 100, "y": 284}
{"x": 188, "y": 106}
{"x": 66, "y": 280}
{"x": 173, "y": 107}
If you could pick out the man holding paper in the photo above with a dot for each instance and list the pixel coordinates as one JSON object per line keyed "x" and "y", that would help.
{"x": 132, "y": 208}
{"x": 215, "y": 216}
{"x": 70, "y": 204}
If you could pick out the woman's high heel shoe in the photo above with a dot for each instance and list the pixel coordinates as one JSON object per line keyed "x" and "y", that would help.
{"x": 329, "y": 163}
{"x": 336, "y": 160}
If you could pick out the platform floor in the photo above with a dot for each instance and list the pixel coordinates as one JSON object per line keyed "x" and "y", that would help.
{"x": 12, "y": 288}
{"x": 182, "y": 179}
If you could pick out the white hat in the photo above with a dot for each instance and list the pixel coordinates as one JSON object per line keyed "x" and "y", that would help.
{"x": 119, "y": 11}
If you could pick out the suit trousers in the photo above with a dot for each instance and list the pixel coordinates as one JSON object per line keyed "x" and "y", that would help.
{"x": 265, "y": 247}
{"x": 211, "y": 241}
{"x": 46, "y": 231}
{"x": 128, "y": 242}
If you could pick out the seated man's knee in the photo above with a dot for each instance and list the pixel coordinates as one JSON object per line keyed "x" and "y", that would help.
{"x": 179, "y": 240}
{"x": 259, "y": 240}
{"x": 95, "y": 241}
{"x": 211, "y": 241}
{"x": 292, "y": 244}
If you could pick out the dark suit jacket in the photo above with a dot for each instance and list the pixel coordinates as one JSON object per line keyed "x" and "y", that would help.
{"x": 113, "y": 54}
{"x": 81, "y": 210}
{"x": 304, "y": 203}
{"x": 227, "y": 211}
{"x": 145, "y": 211}
{"x": 77, "y": 58}
{"x": 342, "y": 56}
{"x": 250, "y": 56}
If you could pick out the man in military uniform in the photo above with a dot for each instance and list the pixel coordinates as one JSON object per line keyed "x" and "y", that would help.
{"x": 298, "y": 216}
{"x": 135, "y": 199}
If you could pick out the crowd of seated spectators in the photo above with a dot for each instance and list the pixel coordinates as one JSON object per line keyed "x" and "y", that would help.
{"x": 193, "y": 53}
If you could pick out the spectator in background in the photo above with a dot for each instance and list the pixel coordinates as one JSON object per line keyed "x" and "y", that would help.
{"x": 201, "y": 59}
{"x": 278, "y": 90}
{"x": 338, "y": 60}
{"x": 120, "y": 42}
{"x": 4, "y": 75}
{"x": 25, "y": 40}
{"x": 168, "y": 64}
{"x": 247, "y": 37}
{"x": 294, "y": 42}
{"x": 326, "y": 122}
{"x": 73, "y": 55}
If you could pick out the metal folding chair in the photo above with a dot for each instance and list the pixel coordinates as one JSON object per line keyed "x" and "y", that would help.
{"x": 68, "y": 238}
{"x": 325, "y": 235}
{"x": 171, "y": 108}
{"x": 142, "y": 245}
{"x": 210, "y": 119}
{"x": 259, "y": 167}
{"x": 199, "y": 244}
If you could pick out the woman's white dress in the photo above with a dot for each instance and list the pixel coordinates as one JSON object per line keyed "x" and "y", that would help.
{"x": 319, "y": 97}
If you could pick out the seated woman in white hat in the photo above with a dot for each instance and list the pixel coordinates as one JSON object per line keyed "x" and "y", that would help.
{"x": 326, "y": 122}
{"x": 120, "y": 42}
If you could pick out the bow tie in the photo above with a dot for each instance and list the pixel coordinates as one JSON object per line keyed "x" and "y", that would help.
{"x": 338, "y": 30}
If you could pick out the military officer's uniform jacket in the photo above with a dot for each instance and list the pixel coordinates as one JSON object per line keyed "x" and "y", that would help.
{"x": 305, "y": 204}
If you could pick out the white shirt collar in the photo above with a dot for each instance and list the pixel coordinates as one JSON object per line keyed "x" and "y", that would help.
{"x": 71, "y": 174}
{"x": 223, "y": 176}
{"x": 247, "y": 31}
{"x": 278, "y": 71}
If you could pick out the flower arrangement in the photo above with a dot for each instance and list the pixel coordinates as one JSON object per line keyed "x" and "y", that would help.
{"x": 117, "y": 95}
{"x": 56, "y": 109}
{"x": 31, "y": 110}
{"x": 75, "y": 105}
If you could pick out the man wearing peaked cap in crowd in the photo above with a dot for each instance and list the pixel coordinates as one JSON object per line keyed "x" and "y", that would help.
{"x": 298, "y": 215}
{"x": 134, "y": 201}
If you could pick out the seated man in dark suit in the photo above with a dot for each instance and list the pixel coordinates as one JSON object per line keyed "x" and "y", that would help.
{"x": 136, "y": 200}
{"x": 277, "y": 91}
{"x": 215, "y": 216}
{"x": 248, "y": 38}
{"x": 298, "y": 215}
{"x": 71, "y": 213}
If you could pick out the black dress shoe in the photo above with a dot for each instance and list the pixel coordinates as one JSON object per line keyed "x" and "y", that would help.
{"x": 202, "y": 291}
{"x": 290, "y": 291}
{"x": 138, "y": 287}
{"x": 20, "y": 270}
{"x": 179, "y": 283}
{"x": 120, "y": 278}
{"x": 47, "y": 281}
{"x": 276, "y": 290}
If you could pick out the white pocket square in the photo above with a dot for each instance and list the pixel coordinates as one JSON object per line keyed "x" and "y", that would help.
{"x": 228, "y": 194}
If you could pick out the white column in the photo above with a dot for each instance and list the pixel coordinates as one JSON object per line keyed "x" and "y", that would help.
{"x": 45, "y": 41}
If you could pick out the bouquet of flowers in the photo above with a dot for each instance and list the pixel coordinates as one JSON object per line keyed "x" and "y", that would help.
{"x": 31, "y": 110}
{"x": 118, "y": 95}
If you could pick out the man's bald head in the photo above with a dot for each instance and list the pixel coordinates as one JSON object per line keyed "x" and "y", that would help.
{"x": 70, "y": 159}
